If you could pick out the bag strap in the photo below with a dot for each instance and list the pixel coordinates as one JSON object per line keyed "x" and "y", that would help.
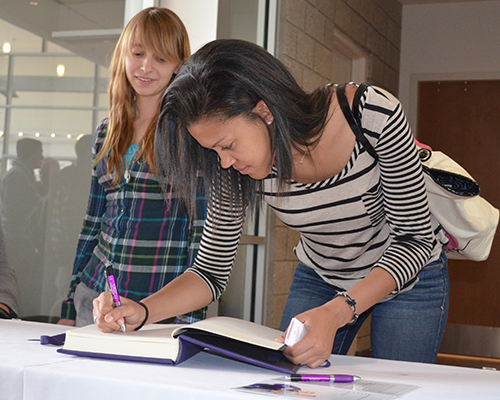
{"x": 360, "y": 91}
{"x": 349, "y": 115}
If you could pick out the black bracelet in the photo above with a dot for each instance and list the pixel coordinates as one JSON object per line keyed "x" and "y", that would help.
{"x": 4, "y": 314}
{"x": 145, "y": 319}
{"x": 352, "y": 303}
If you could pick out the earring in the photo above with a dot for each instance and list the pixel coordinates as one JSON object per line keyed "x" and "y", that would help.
{"x": 270, "y": 121}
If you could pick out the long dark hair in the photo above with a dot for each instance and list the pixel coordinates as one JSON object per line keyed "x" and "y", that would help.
{"x": 222, "y": 80}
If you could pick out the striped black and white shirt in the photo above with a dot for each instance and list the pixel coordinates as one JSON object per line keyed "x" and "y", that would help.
{"x": 371, "y": 214}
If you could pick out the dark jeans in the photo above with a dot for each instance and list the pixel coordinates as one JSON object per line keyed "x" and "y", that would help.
{"x": 409, "y": 327}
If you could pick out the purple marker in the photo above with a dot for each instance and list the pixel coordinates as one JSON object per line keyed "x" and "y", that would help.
{"x": 322, "y": 378}
{"x": 110, "y": 276}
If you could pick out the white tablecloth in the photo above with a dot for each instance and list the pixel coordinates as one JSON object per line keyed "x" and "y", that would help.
{"x": 30, "y": 371}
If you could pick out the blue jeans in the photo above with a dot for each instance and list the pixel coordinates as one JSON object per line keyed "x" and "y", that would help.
{"x": 409, "y": 327}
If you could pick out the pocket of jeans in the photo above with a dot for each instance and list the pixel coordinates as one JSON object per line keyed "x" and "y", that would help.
{"x": 437, "y": 264}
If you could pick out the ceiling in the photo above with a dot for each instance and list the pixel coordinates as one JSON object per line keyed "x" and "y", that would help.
{"x": 89, "y": 28}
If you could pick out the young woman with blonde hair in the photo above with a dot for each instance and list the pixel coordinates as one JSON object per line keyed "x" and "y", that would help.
{"x": 128, "y": 223}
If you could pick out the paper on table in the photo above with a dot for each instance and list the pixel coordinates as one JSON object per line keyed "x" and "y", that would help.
{"x": 389, "y": 388}
{"x": 358, "y": 390}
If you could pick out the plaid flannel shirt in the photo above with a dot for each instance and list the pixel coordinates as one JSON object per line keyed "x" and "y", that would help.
{"x": 129, "y": 225}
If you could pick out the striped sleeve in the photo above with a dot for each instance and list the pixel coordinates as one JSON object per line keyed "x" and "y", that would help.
{"x": 219, "y": 243}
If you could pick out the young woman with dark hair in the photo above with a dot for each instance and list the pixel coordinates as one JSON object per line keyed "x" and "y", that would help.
{"x": 368, "y": 243}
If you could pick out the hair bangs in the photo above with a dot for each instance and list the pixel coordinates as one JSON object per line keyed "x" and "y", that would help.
{"x": 167, "y": 37}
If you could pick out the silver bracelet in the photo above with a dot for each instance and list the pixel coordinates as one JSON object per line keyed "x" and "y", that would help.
{"x": 352, "y": 303}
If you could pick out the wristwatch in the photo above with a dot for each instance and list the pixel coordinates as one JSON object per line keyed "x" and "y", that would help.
{"x": 352, "y": 303}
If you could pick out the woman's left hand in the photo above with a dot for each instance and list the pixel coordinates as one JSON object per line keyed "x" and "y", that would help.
{"x": 321, "y": 325}
{"x": 316, "y": 345}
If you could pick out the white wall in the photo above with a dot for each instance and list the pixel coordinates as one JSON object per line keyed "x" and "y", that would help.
{"x": 448, "y": 41}
{"x": 199, "y": 17}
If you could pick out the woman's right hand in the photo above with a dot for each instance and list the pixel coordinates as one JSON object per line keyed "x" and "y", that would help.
{"x": 109, "y": 319}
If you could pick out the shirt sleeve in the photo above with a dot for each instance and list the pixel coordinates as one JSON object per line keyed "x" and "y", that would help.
{"x": 403, "y": 187}
{"x": 89, "y": 235}
{"x": 219, "y": 243}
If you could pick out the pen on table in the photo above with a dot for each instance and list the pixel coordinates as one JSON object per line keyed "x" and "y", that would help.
{"x": 110, "y": 277}
{"x": 322, "y": 378}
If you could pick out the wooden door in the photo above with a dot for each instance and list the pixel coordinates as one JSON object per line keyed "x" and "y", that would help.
{"x": 462, "y": 119}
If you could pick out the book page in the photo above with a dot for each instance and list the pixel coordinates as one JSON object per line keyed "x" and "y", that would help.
{"x": 238, "y": 329}
{"x": 152, "y": 341}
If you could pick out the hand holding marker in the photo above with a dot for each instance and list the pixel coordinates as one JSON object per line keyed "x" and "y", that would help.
{"x": 110, "y": 277}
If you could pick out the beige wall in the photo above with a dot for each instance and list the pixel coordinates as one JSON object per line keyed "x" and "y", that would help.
{"x": 306, "y": 45}
{"x": 307, "y": 31}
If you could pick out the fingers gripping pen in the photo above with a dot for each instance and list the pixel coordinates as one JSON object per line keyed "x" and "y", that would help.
{"x": 110, "y": 277}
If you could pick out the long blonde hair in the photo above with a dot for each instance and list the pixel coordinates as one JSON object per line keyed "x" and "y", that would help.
{"x": 163, "y": 31}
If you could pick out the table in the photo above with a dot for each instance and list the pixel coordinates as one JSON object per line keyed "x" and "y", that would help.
{"x": 30, "y": 371}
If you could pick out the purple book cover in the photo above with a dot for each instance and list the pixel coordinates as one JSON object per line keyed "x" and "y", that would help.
{"x": 240, "y": 351}
{"x": 186, "y": 350}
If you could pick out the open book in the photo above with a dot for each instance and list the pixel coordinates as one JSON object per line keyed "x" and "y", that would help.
{"x": 171, "y": 344}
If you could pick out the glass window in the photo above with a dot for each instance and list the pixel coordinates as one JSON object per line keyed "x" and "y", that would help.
{"x": 55, "y": 97}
